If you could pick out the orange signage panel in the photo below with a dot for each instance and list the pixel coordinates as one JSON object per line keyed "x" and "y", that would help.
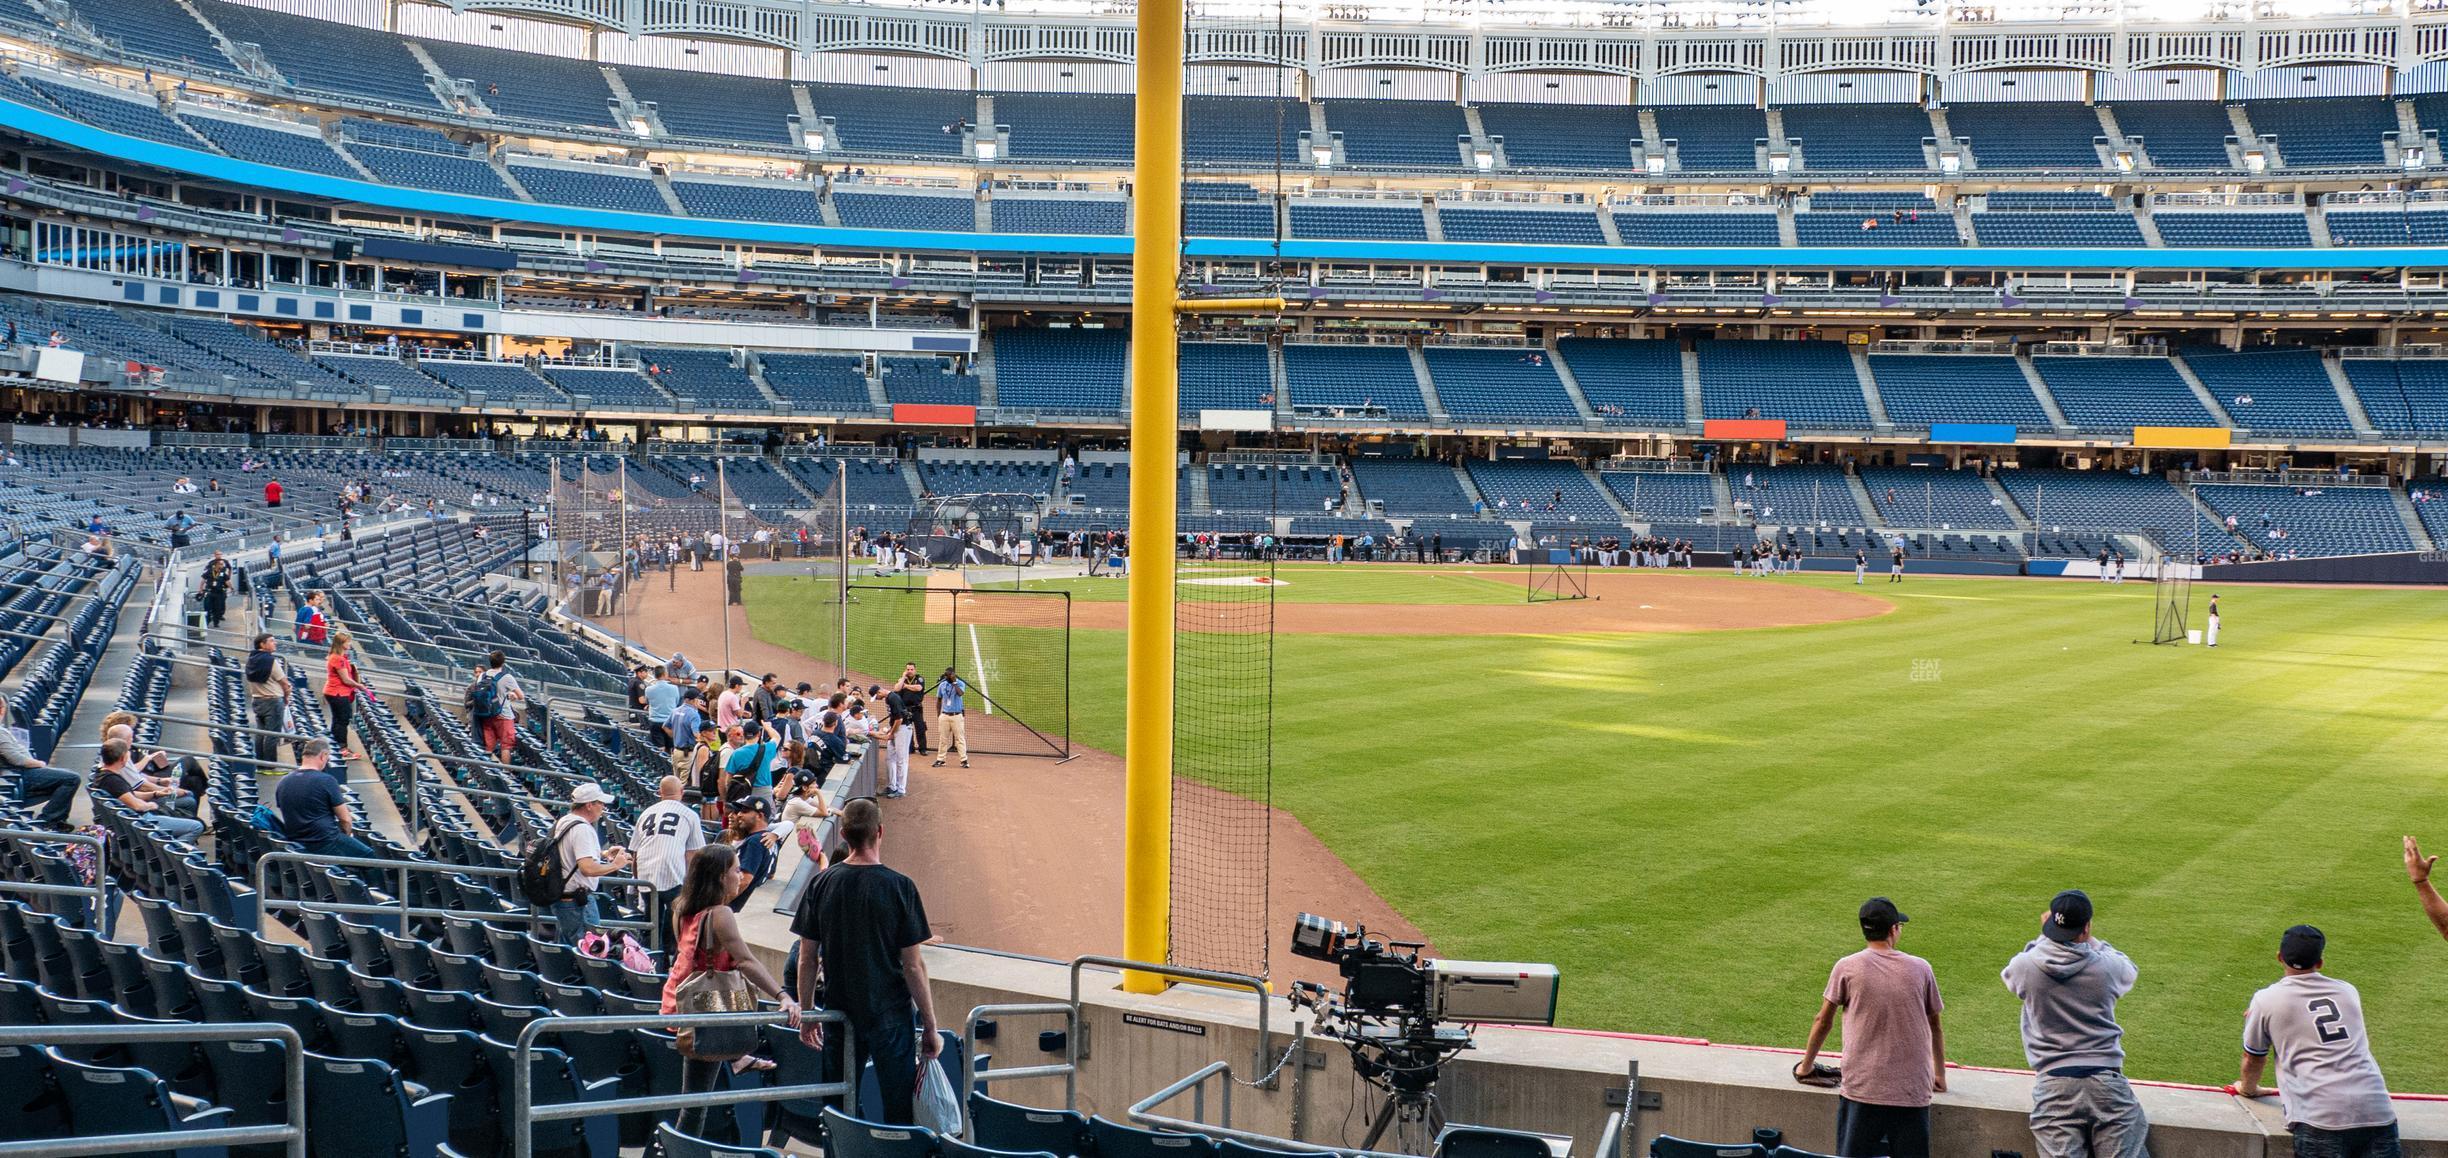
{"x": 2183, "y": 437}
{"x": 927, "y": 414}
{"x": 1744, "y": 429}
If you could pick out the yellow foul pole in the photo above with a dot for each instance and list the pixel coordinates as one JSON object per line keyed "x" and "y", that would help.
{"x": 1147, "y": 814}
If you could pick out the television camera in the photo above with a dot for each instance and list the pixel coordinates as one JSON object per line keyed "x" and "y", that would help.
{"x": 1402, "y": 1016}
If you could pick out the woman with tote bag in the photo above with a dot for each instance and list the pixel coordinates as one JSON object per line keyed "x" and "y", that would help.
{"x": 712, "y": 971}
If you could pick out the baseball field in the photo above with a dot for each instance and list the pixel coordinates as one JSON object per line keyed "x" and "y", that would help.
{"x": 1682, "y": 809}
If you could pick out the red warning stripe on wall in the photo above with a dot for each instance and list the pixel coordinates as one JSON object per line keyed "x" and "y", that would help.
{"x": 1744, "y": 429}
{"x": 934, "y": 414}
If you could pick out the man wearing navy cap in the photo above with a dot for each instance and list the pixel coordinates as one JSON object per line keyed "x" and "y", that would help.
{"x": 2069, "y": 982}
{"x": 1894, "y": 1050}
{"x": 2337, "y": 1104}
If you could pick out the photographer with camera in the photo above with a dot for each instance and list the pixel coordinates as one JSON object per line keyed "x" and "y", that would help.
{"x": 1894, "y": 1050}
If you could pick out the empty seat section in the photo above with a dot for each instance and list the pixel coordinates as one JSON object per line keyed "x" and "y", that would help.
{"x": 599, "y": 188}
{"x": 706, "y": 376}
{"x": 1383, "y": 134}
{"x": 2027, "y": 134}
{"x": 870, "y": 120}
{"x": 1712, "y": 138}
{"x": 906, "y": 211}
{"x": 2336, "y": 520}
{"x": 1213, "y": 209}
{"x": 2279, "y": 391}
{"x": 1630, "y": 382}
{"x": 1546, "y": 490}
{"x": 1060, "y": 215}
{"x": 1246, "y": 130}
{"x": 2178, "y": 134}
{"x": 1658, "y": 497}
{"x": 1066, "y": 126}
{"x": 502, "y": 383}
{"x": 328, "y": 55}
{"x": 1808, "y": 384}
{"x": 444, "y": 167}
{"x": 2063, "y": 219}
{"x": 926, "y": 381}
{"x": 1277, "y": 488}
{"x": 1061, "y": 371}
{"x": 2326, "y": 132}
{"x": 1864, "y": 136}
{"x": 1919, "y": 389}
{"x": 1362, "y": 220}
{"x": 1808, "y": 494}
{"x": 125, "y": 116}
{"x": 1355, "y": 379}
{"x": 2101, "y": 393}
{"x": 1410, "y": 486}
{"x": 2107, "y": 500}
{"x": 2268, "y": 228}
{"x": 161, "y": 29}
{"x": 2402, "y": 395}
{"x": 2388, "y": 226}
{"x": 404, "y": 381}
{"x": 830, "y": 382}
{"x": 1510, "y": 385}
{"x": 1874, "y": 219}
{"x": 269, "y": 146}
{"x": 1931, "y": 499}
{"x": 1580, "y": 138}
{"x": 608, "y": 389}
{"x": 1641, "y": 225}
{"x": 529, "y": 86}
{"x": 1225, "y": 376}
{"x": 714, "y": 106}
{"x": 793, "y": 204}
{"x": 1532, "y": 226}
{"x": 966, "y": 476}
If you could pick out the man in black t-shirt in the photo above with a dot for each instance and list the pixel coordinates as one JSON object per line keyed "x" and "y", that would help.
{"x": 860, "y": 929}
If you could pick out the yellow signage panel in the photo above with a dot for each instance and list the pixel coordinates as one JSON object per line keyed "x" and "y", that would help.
{"x": 2183, "y": 437}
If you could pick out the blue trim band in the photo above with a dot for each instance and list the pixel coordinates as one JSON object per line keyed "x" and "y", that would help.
{"x": 213, "y": 166}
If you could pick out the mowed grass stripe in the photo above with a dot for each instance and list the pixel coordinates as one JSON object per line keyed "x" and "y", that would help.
{"x": 1685, "y": 822}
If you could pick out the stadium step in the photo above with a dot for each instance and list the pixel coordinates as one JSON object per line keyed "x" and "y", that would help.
{"x": 2112, "y": 139}
{"x": 1869, "y": 389}
{"x": 1572, "y": 385}
{"x": 662, "y": 184}
{"x": 984, "y": 367}
{"x": 631, "y": 110}
{"x": 2346, "y": 395}
{"x": 503, "y": 171}
{"x": 808, "y": 120}
{"x": 2413, "y": 521}
{"x": 2202, "y": 393}
{"x": 1433, "y": 223}
{"x": 2149, "y": 225}
{"x": 448, "y": 90}
{"x": 1692, "y": 411}
{"x": 1427, "y": 384}
{"x": 2040, "y": 393}
{"x": 2005, "y": 502}
{"x": 2247, "y": 139}
{"x": 1861, "y": 496}
{"x": 1480, "y": 142}
{"x": 2316, "y": 223}
{"x": 1276, "y": 382}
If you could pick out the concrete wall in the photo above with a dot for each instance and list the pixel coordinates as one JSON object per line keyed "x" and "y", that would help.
{"x": 1547, "y": 1081}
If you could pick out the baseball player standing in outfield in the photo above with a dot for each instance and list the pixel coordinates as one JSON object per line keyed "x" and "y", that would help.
{"x": 2337, "y": 1104}
{"x": 2212, "y": 636}
{"x": 2069, "y": 982}
{"x": 1895, "y": 564}
{"x": 1861, "y": 565}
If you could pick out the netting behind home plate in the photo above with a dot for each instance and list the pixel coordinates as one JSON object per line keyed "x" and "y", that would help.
{"x": 1223, "y": 754}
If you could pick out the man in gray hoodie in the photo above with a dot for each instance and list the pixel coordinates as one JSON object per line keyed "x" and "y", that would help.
{"x": 2069, "y": 983}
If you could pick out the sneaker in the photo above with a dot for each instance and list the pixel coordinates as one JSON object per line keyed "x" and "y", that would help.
{"x": 964, "y": 763}
{"x": 939, "y": 764}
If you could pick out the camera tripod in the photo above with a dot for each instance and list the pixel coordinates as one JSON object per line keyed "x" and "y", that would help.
{"x": 1406, "y": 1063}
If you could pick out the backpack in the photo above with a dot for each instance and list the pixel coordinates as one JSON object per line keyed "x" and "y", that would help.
{"x": 484, "y": 696}
{"x": 542, "y": 879}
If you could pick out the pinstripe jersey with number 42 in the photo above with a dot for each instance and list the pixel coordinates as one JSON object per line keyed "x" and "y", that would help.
{"x": 2326, "y": 1073}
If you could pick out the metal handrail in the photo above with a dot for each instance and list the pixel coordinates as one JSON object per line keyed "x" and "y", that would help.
{"x": 1256, "y": 985}
{"x": 1067, "y": 1069}
{"x": 96, "y": 890}
{"x": 523, "y": 1113}
{"x": 291, "y": 1136}
{"x": 265, "y": 902}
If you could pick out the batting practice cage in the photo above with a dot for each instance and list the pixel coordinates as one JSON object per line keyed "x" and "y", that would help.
{"x": 1555, "y": 574}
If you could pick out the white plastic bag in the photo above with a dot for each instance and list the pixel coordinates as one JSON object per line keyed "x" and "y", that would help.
{"x": 937, "y": 1106}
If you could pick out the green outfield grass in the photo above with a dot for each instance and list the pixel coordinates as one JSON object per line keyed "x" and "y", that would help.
{"x": 1685, "y": 823}
{"x": 1313, "y": 583}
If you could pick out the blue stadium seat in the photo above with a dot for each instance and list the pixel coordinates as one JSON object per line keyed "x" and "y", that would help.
{"x": 930, "y": 211}
{"x": 1115, "y": 1140}
{"x": 1225, "y": 376}
{"x": 1399, "y": 134}
{"x": 1066, "y": 126}
{"x": 529, "y": 86}
{"x": 619, "y": 187}
{"x": 1359, "y": 220}
{"x": 1526, "y": 226}
{"x": 1508, "y": 384}
{"x": 792, "y": 204}
{"x": 820, "y": 382}
{"x": 103, "y": 1100}
{"x": 1712, "y": 138}
{"x": 1919, "y": 389}
{"x": 1489, "y": 1142}
{"x": 2274, "y": 391}
{"x": 1353, "y": 378}
{"x": 1628, "y": 382}
{"x": 2178, "y": 134}
{"x": 1243, "y": 130}
{"x": 1859, "y": 136}
{"x": 1808, "y": 384}
{"x": 1007, "y": 1126}
{"x": 714, "y": 106}
{"x": 265, "y": 145}
{"x": 1935, "y": 499}
{"x": 849, "y": 1137}
{"x": 2105, "y": 394}
{"x": 2402, "y": 225}
{"x": 1060, "y": 215}
{"x": 328, "y": 55}
{"x": 876, "y": 121}
{"x": 2037, "y": 135}
{"x": 2402, "y": 395}
{"x": 674, "y": 1144}
{"x": 446, "y": 171}
{"x": 1558, "y": 492}
{"x": 1060, "y": 371}
{"x": 1573, "y": 138}
{"x": 2264, "y": 229}
{"x": 1411, "y": 486}
{"x": 2326, "y": 132}
{"x": 1677, "y": 227}
{"x": 357, "y": 1107}
{"x": 1669, "y": 1146}
{"x": 2312, "y": 521}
